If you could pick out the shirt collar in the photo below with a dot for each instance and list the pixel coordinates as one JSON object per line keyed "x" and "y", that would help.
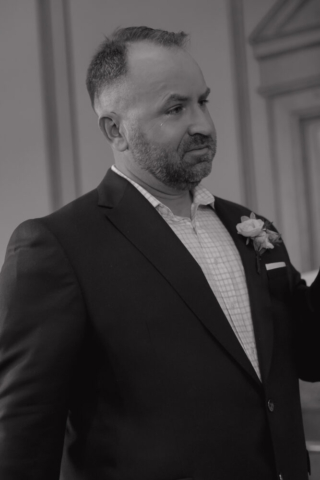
{"x": 153, "y": 200}
{"x": 201, "y": 196}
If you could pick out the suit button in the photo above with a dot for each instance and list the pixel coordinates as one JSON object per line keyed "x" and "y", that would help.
{"x": 270, "y": 405}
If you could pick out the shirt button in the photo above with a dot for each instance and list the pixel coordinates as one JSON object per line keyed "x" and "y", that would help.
{"x": 271, "y": 405}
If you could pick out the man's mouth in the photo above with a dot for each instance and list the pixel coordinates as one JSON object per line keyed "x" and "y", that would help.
{"x": 200, "y": 148}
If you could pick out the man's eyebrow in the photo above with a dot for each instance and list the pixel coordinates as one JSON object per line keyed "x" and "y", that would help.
{"x": 176, "y": 97}
{"x": 205, "y": 94}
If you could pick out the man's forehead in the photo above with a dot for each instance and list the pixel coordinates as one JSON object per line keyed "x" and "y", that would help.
{"x": 158, "y": 71}
{"x": 154, "y": 73}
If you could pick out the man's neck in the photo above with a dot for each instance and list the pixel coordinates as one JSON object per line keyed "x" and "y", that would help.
{"x": 179, "y": 204}
{"x": 179, "y": 201}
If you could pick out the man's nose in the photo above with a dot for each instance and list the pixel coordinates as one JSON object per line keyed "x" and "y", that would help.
{"x": 201, "y": 123}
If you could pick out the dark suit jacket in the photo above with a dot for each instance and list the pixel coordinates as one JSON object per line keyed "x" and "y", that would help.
{"x": 108, "y": 323}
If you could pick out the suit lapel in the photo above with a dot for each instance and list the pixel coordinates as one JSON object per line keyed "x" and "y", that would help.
{"x": 142, "y": 225}
{"x": 261, "y": 308}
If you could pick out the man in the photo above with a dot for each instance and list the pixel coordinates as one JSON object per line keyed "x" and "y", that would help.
{"x": 136, "y": 322}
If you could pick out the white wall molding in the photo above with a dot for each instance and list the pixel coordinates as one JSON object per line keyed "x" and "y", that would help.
{"x": 58, "y": 101}
{"x": 287, "y": 45}
{"x": 285, "y": 88}
{"x": 287, "y": 18}
{"x": 241, "y": 86}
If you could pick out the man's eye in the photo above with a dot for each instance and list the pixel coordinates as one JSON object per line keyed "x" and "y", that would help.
{"x": 176, "y": 110}
{"x": 203, "y": 102}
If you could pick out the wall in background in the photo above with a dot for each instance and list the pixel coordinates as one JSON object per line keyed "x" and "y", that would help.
{"x": 24, "y": 182}
{"x": 254, "y": 12}
{"x": 286, "y": 47}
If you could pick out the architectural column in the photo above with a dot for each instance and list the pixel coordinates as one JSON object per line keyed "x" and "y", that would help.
{"x": 286, "y": 44}
{"x": 240, "y": 75}
{"x": 58, "y": 101}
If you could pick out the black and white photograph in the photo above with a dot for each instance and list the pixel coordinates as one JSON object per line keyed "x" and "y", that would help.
{"x": 160, "y": 240}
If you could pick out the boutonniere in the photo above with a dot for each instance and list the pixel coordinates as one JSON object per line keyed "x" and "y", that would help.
{"x": 259, "y": 233}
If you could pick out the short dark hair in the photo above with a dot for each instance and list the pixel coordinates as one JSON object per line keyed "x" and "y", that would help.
{"x": 110, "y": 61}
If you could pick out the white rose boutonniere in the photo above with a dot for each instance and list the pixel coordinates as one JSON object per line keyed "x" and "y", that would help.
{"x": 259, "y": 233}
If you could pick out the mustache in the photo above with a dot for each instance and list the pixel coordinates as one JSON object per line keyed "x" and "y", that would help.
{"x": 199, "y": 141}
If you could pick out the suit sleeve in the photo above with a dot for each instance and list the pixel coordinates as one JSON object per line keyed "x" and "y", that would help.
{"x": 306, "y": 315}
{"x": 304, "y": 304}
{"x": 42, "y": 322}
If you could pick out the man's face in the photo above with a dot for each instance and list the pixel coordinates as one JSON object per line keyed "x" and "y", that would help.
{"x": 181, "y": 167}
{"x": 170, "y": 132}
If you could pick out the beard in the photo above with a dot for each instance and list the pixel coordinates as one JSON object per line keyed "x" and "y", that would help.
{"x": 170, "y": 166}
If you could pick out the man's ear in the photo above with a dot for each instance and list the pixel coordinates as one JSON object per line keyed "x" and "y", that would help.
{"x": 110, "y": 127}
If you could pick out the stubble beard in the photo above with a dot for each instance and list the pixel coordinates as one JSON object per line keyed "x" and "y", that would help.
{"x": 170, "y": 167}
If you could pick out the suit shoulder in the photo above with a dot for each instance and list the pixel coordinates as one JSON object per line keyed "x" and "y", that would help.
{"x": 233, "y": 205}
{"x": 76, "y": 215}
{"x": 241, "y": 210}
{"x": 72, "y": 219}
{"x": 80, "y": 206}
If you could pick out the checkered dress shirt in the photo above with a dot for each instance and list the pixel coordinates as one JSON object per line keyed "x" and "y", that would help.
{"x": 212, "y": 247}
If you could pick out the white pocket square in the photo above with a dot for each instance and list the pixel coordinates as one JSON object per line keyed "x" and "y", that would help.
{"x": 271, "y": 266}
